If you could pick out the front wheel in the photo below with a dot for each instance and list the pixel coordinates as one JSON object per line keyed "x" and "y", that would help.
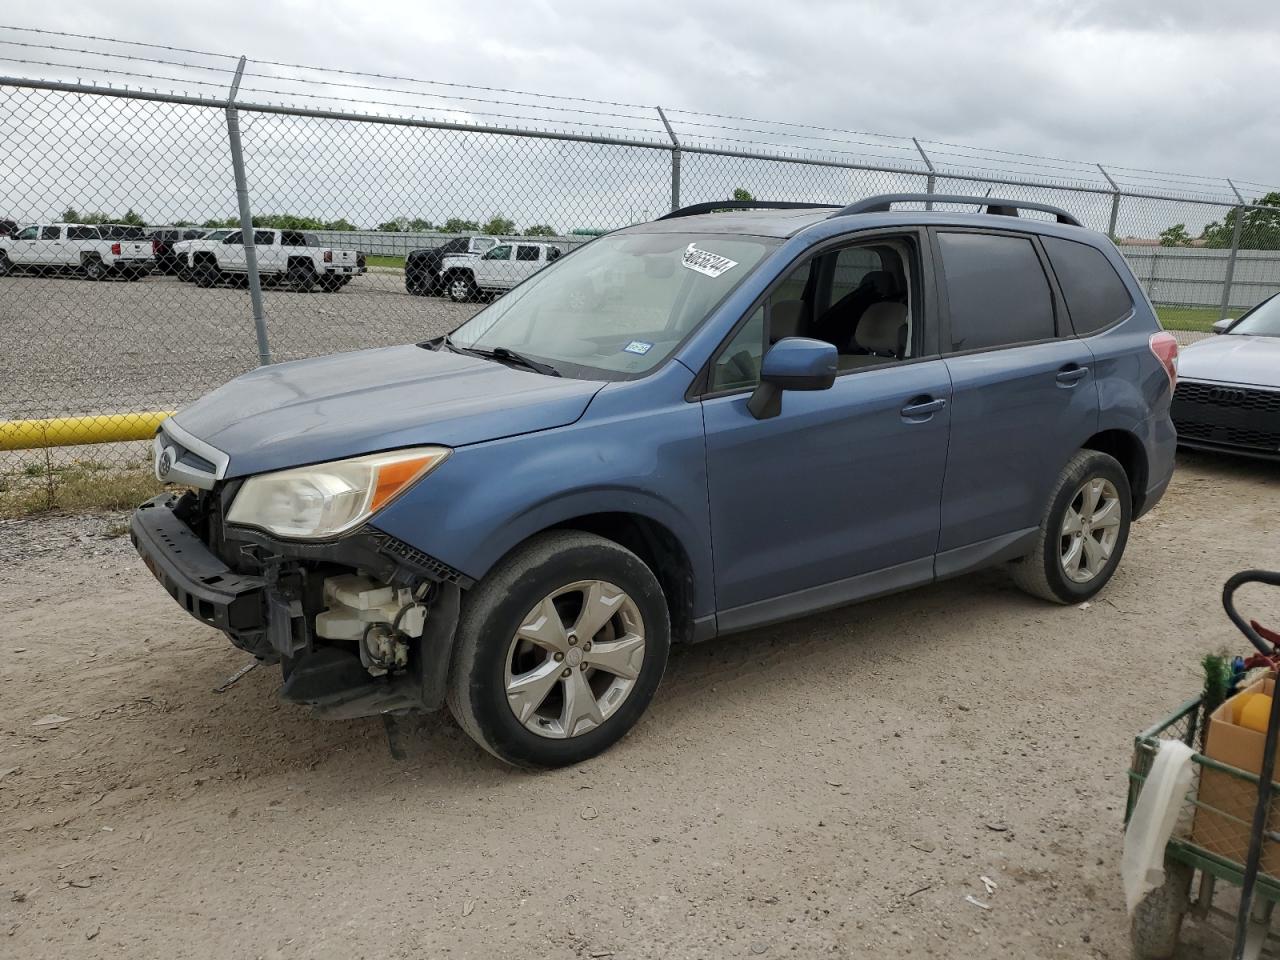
{"x": 462, "y": 289}
{"x": 6, "y": 265}
{"x": 1083, "y": 532}
{"x": 560, "y": 650}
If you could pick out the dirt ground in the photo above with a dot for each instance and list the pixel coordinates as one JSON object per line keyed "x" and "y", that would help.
{"x": 832, "y": 787}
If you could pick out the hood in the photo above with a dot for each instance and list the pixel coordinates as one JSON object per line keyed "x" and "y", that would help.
{"x": 309, "y": 411}
{"x": 1232, "y": 358}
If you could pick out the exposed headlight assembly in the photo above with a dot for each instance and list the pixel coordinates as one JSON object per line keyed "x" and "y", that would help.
{"x": 324, "y": 500}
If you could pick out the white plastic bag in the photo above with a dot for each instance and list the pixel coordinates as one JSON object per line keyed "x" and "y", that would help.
{"x": 1152, "y": 820}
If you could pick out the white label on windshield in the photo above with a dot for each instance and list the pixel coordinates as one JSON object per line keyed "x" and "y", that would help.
{"x": 707, "y": 263}
{"x": 640, "y": 347}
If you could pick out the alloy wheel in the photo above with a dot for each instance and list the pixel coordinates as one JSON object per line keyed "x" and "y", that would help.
{"x": 575, "y": 659}
{"x": 1090, "y": 529}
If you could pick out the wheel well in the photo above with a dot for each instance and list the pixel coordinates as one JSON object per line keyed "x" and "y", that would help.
{"x": 454, "y": 272}
{"x": 662, "y": 553}
{"x": 86, "y": 257}
{"x": 300, "y": 261}
{"x": 1128, "y": 450}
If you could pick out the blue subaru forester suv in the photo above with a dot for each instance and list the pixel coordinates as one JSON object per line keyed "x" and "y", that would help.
{"x": 738, "y": 414}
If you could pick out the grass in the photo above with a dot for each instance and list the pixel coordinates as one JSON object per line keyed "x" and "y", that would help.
{"x": 377, "y": 260}
{"x": 1200, "y": 319}
{"x": 85, "y": 487}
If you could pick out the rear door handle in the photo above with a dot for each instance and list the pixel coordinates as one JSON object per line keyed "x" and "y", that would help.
{"x": 922, "y": 408}
{"x": 1073, "y": 374}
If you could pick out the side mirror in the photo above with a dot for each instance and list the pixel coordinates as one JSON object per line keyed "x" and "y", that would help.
{"x": 793, "y": 363}
{"x": 1222, "y": 325}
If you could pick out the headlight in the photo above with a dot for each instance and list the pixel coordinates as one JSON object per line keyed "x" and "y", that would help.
{"x": 330, "y": 498}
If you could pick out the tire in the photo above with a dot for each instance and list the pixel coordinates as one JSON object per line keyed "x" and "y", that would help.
{"x": 205, "y": 273}
{"x": 6, "y": 265}
{"x": 462, "y": 288}
{"x": 302, "y": 276}
{"x": 1047, "y": 571}
{"x": 93, "y": 268}
{"x": 332, "y": 282}
{"x": 566, "y": 565}
{"x": 1157, "y": 920}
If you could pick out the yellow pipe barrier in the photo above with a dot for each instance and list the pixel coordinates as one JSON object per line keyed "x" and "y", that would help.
{"x": 74, "y": 431}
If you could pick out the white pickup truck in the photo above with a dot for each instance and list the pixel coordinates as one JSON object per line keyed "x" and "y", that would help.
{"x": 78, "y": 247}
{"x": 499, "y": 269}
{"x": 283, "y": 255}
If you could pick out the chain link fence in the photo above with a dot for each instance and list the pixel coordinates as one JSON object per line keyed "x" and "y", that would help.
{"x": 127, "y": 287}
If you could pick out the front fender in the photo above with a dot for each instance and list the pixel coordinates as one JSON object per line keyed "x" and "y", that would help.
{"x": 488, "y": 498}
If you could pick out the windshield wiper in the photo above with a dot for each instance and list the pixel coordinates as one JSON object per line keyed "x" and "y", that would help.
{"x": 511, "y": 356}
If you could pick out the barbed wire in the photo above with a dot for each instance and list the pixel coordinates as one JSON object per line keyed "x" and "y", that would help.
{"x": 686, "y": 121}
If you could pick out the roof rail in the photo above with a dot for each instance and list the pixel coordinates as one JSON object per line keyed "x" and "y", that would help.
{"x": 999, "y": 207}
{"x": 714, "y": 206}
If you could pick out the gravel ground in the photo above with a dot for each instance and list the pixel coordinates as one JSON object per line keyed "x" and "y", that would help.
{"x": 831, "y": 787}
{"x": 76, "y": 347}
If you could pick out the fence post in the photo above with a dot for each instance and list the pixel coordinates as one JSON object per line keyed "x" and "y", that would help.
{"x": 675, "y": 161}
{"x": 1115, "y": 202}
{"x": 1231, "y": 257}
{"x": 246, "y": 218}
{"x": 929, "y": 184}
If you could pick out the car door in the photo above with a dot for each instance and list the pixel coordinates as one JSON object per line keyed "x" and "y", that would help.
{"x": 837, "y": 497}
{"x": 48, "y": 250}
{"x": 493, "y": 270}
{"x": 23, "y": 249}
{"x": 1024, "y": 399}
{"x": 528, "y": 261}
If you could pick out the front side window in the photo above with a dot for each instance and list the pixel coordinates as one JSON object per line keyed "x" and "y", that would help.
{"x": 28, "y": 233}
{"x": 526, "y": 253}
{"x": 1096, "y": 296}
{"x": 1262, "y": 321}
{"x": 498, "y": 253}
{"x": 997, "y": 293}
{"x": 618, "y": 306}
{"x": 480, "y": 244}
{"x": 858, "y": 298}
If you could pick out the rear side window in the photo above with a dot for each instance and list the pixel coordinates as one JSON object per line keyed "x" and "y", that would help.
{"x": 82, "y": 233}
{"x": 50, "y": 233}
{"x": 997, "y": 293}
{"x": 1096, "y": 296}
{"x": 526, "y": 253}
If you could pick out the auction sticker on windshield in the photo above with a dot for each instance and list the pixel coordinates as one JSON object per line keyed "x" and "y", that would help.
{"x": 705, "y": 262}
{"x": 640, "y": 347}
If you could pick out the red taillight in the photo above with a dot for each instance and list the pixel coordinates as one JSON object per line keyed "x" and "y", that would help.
{"x": 155, "y": 246}
{"x": 1165, "y": 346}
{"x": 115, "y": 249}
{"x": 328, "y": 256}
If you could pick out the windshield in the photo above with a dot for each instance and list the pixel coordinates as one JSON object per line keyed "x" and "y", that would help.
{"x": 619, "y": 305}
{"x": 1262, "y": 321}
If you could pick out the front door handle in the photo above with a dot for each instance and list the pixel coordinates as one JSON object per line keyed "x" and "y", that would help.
{"x": 922, "y": 408}
{"x": 1072, "y": 375}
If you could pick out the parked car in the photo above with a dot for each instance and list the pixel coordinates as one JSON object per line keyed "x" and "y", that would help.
{"x": 422, "y": 267}
{"x": 1228, "y": 396}
{"x": 498, "y": 269}
{"x": 163, "y": 246}
{"x": 8, "y": 228}
{"x": 75, "y": 246}
{"x": 289, "y": 256}
{"x": 685, "y": 428}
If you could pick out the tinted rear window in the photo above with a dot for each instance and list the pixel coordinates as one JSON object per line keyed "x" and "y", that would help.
{"x": 1096, "y": 296}
{"x": 997, "y": 292}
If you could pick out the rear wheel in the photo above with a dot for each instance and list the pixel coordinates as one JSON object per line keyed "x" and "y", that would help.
{"x": 462, "y": 289}
{"x": 560, "y": 650}
{"x": 205, "y": 272}
{"x": 1157, "y": 920}
{"x": 93, "y": 268}
{"x": 1083, "y": 532}
{"x": 332, "y": 282}
{"x": 302, "y": 276}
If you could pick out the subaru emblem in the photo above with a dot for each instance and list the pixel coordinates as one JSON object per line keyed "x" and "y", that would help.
{"x": 165, "y": 463}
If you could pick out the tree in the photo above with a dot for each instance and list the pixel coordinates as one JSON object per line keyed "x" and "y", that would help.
{"x": 540, "y": 230}
{"x": 499, "y": 225}
{"x": 132, "y": 219}
{"x": 419, "y": 225}
{"x": 392, "y": 226}
{"x": 740, "y": 193}
{"x": 456, "y": 225}
{"x": 70, "y": 215}
{"x": 1260, "y": 229}
{"x": 1176, "y": 236}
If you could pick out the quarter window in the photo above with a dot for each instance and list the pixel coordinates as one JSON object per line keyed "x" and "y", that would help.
{"x": 997, "y": 293}
{"x": 1096, "y": 296}
{"x": 739, "y": 362}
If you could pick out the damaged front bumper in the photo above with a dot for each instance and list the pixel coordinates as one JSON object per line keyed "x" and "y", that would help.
{"x": 265, "y": 595}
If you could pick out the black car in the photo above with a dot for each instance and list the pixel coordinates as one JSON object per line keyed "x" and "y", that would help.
{"x": 162, "y": 241}
{"x": 422, "y": 267}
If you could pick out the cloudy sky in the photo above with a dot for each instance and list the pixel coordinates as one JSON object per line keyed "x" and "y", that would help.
{"x": 1155, "y": 85}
